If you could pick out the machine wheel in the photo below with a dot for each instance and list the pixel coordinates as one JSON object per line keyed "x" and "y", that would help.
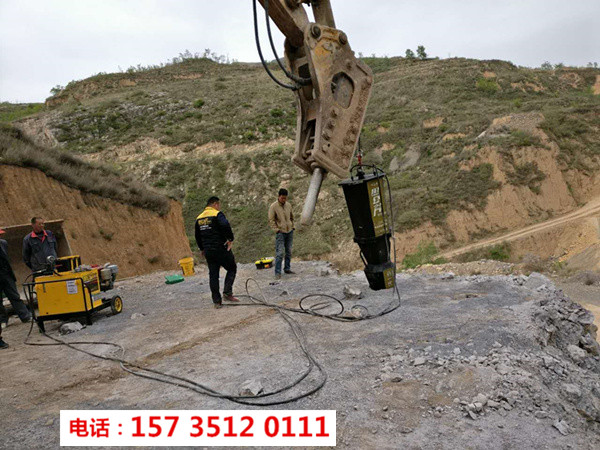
{"x": 116, "y": 304}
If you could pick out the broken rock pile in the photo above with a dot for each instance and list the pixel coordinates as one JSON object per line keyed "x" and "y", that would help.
{"x": 554, "y": 377}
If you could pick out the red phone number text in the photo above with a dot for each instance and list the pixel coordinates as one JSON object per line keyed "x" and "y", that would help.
{"x": 208, "y": 426}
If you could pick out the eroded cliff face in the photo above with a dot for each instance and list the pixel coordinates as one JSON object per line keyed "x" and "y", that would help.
{"x": 98, "y": 229}
{"x": 513, "y": 207}
{"x": 560, "y": 190}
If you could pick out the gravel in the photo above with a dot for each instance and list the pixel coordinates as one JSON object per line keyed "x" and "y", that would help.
{"x": 526, "y": 374}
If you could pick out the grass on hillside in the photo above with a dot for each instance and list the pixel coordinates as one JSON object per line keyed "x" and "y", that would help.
{"x": 72, "y": 171}
{"x": 498, "y": 252}
{"x": 192, "y": 102}
{"x": 12, "y": 111}
{"x": 426, "y": 253}
{"x": 197, "y": 101}
{"x": 575, "y": 128}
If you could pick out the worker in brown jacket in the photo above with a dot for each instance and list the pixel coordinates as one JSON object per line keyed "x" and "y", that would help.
{"x": 281, "y": 220}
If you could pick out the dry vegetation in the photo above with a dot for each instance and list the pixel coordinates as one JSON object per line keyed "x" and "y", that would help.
{"x": 72, "y": 171}
{"x": 196, "y": 101}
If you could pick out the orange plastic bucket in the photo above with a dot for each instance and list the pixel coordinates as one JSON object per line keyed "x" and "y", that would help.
{"x": 187, "y": 266}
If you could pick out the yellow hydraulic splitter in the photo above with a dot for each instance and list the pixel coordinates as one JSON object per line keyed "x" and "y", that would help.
{"x": 72, "y": 293}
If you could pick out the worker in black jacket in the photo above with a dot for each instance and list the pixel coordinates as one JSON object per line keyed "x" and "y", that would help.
{"x": 215, "y": 238}
{"x": 8, "y": 286}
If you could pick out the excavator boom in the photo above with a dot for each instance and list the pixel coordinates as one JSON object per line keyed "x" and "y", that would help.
{"x": 333, "y": 93}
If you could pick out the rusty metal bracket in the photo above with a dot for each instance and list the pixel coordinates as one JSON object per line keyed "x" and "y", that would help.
{"x": 331, "y": 108}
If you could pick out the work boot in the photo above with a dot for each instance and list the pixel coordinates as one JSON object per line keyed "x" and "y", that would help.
{"x": 290, "y": 272}
{"x": 278, "y": 276}
{"x": 217, "y": 305}
{"x": 3, "y": 344}
{"x": 26, "y": 319}
{"x": 231, "y": 298}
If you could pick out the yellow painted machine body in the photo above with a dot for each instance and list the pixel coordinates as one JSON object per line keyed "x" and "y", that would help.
{"x": 264, "y": 263}
{"x": 67, "y": 293}
{"x": 68, "y": 263}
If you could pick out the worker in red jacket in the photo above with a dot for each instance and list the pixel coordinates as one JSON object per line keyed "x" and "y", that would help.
{"x": 38, "y": 245}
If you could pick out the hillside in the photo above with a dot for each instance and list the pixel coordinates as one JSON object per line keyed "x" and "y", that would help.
{"x": 473, "y": 148}
{"x": 18, "y": 150}
{"x": 92, "y": 210}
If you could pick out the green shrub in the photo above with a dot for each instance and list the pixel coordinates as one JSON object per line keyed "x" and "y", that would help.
{"x": 425, "y": 254}
{"x": 498, "y": 252}
{"x": 199, "y": 103}
{"x": 563, "y": 125}
{"x": 276, "y": 112}
{"x": 10, "y": 112}
{"x": 105, "y": 234}
{"x": 487, "y": 86}
{"x": 249, "y": 136}
{"x": 526, "y": 174}
{"x": 522, "y": 138}
{"x": 380, "y": 64}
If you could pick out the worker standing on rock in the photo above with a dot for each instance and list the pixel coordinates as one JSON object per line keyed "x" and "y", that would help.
{"x": 281, "y": 220}
{"x": 215, "y": 238}
{"x": 38, "y": 245}
{"x": 8, "y": 286}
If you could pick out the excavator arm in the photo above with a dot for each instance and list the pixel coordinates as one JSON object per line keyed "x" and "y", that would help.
{"x": 332, "y": 91}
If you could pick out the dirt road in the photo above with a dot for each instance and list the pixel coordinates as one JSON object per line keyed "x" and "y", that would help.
{"x": 591, "y": 209}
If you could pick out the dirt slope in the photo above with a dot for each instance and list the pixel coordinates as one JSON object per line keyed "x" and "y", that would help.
{"x": 592, "y": 209}
{"x": 99, "y": 229}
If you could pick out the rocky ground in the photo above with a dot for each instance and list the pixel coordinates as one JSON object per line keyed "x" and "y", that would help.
{"x": 476, "y": 361}
{"x": 582, "y": 287}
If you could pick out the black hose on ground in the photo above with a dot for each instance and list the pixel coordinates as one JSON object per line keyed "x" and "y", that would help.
{"x": 264, "y": 399}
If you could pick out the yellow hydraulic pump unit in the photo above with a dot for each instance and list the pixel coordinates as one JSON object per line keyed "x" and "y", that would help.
{"x": 66, "y": 294}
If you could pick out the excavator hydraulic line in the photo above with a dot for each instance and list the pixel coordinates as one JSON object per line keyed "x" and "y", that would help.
{"x": 332, "y": 106}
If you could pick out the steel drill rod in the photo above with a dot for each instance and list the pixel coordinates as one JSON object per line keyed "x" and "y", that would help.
{"x": 311, "y": 196}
